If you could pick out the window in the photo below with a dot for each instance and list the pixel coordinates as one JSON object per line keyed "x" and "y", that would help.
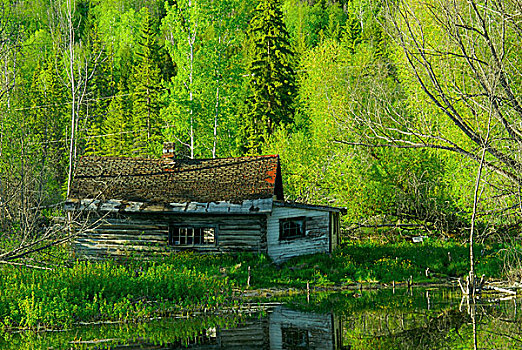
{"x": 292, "y": 228}
{"x": 295, "y": 338}
{"x": 192, "y": 236}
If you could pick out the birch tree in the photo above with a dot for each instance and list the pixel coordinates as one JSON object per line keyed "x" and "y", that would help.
{"x": 79, "y": 65}
{"x": 204, "y": 39}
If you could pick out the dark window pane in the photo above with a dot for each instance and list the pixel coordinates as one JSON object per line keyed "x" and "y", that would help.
{"x": 191, "y": 236}
{"x": 291, "y": 228}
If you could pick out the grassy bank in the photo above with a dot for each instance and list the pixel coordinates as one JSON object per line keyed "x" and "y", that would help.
{"x": 106, "y": 291}
{"x": 131, "y": 290}
{"x": 353, "y": 263}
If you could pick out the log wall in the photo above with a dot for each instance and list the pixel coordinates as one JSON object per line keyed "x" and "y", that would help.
{"x": 249, "y": 335}
{"x": 124, "y": 235}
{"x": 317, "y": 239}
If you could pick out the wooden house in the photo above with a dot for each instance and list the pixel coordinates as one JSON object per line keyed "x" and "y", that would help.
{"x": 156, "y": 206}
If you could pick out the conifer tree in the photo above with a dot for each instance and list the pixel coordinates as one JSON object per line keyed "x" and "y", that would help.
{"x": 100, "y": 87}
{"x": 272, "y": 78}
{"x": 115, "y": 127}
{"x": 146, "y": 86}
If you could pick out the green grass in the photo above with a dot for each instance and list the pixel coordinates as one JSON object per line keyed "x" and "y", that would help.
{"x": 353, "y": 263}
{"x": 134, "y": 289}
{"x": 105, "y": 291}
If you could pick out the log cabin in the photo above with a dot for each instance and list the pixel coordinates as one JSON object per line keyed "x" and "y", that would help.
{"x": 126, "y": 205}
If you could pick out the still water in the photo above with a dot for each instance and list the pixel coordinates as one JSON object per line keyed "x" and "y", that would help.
{"x": 382, "y": 319}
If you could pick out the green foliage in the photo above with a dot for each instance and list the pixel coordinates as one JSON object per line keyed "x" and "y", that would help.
{"x": 229, "y": 77}
{"x": 205, "y": 42}
{"x": 136, "y": 290}
{"x": 104, "y": 291}
{"x": 101, "y": 88}
{"x": 166, "y": 332}
{"x": 116, "y": 127}
{"x": 146, "y": 88}
{"x": 271, "y": 76}
{"x": 308, "y": 26}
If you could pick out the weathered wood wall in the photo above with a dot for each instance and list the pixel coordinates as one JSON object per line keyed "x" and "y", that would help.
{"x": 320, "y": 328}
{"x": 249, "y": 335}
{"x": 122, "y": 235}
{"x": 317, "y": 239}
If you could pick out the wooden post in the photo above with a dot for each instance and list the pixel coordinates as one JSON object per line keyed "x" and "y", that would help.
{"x": 308, "y": 291}
{"x": 393, "y": 285}
{"x": 248, "y": 279}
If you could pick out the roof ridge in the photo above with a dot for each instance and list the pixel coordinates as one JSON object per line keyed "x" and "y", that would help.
{"x": 179, "y": 159}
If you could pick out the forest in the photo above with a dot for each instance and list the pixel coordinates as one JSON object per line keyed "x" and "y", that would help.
{"x": 405, "y": 112}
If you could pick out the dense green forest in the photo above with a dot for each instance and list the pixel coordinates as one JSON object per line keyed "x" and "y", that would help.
{"x": 405, "y": 112}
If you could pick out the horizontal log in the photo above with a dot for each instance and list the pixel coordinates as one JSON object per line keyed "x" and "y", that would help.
{"x": 102, "y": 247}
{"x": 123, "y": 243}
{"x": 237, "y": 227}
{"x": 131, "y": 226}
{"x": 502, "y": 290}
{"x": 124, "y": 236}
{"x": 226, "y": 245}
{"x": 245, "y": 234}
{"x": 230, "y": 241}
{"x": 129, "y": 232}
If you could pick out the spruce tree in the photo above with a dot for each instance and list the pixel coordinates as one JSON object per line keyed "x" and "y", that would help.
{"x": 115, "y": 127}
{"x": 146, "y": 86}
{"x": 100, "y": 87}
{"x": 271, "y": 76}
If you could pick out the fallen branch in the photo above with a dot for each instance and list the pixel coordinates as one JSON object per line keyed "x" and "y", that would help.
{"x": 26, "y": 265}
{"x": 502, "y": 290}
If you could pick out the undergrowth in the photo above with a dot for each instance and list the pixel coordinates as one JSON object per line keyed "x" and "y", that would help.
{"x": 135, "y": 289}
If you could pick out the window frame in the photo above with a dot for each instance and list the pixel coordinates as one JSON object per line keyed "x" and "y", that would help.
{"x": 284, "y": 237}
{"x": 193, "y": 228}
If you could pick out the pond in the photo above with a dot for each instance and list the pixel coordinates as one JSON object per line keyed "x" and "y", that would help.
{"x": 377, "y": 319}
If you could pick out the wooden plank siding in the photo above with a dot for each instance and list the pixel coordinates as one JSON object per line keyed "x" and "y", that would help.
{"x": 318, "y": 328}
{"x": 317, "y": 239}
{"x": 146, "y": 235}
{"x": 249, "y": 335}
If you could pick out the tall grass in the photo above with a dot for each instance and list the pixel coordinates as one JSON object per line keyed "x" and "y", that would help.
{"x": 87, "y": 292}
{"x": 103, "y": 291}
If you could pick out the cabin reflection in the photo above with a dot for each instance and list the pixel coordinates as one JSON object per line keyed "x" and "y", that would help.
{"x": 282, "y": 329}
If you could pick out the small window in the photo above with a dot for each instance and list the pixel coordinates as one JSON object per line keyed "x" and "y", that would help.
{"x": 292, "y": 228}
{"x": 192, "y": 236}
{"x": 295, "y": 338}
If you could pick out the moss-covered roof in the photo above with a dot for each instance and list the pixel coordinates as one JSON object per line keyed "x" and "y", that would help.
{"x": 168, "y": 180}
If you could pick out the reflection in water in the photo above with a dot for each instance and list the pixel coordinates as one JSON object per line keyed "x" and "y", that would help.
{"x": 409, "y": 323}
{"x": 279, "y": 328}
{"x": 386, "y": 319}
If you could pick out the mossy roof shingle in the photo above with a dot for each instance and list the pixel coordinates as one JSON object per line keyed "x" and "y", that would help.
{"x": 168, "y": 180}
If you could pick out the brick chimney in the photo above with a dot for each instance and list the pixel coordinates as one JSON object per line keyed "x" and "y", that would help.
{"x": 169, "y": 150}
